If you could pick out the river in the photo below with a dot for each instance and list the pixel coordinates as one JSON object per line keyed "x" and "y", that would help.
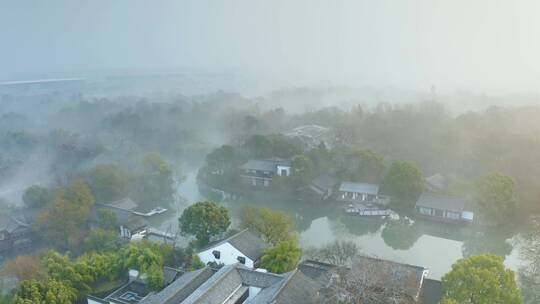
{"x": 430, "y": 244}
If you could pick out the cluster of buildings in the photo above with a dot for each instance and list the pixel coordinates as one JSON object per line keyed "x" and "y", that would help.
{"x": 365, "y": 198}
{"x": 235, "y": 278}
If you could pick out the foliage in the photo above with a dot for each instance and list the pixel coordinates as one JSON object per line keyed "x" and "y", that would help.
{"x": 496, "y": 197}
{"x": 529, "y": 274}
{"x": 108, "y": 183}
{"x": 62, "y": 269}
{"x": 360, "y": 165}
{"x": 337, "y": 253}
{"x": 273, "y": 226}
{"x": 400, "y": 234}
{"x": 36, "y": 196}
{"x": 147, "y": 258}
{"x": 154, "y": 184}
{"x": 24, "y": 267}
{"x": 63, "y": 221}
{"x": 195, "y": 263}
{"x": 101, "y": 240}
{"x": 204, "y": 220}
{"x": 481, "y": 279}
{"x": 44, "y": 292}
{"x": 106, "y": 219}
{"x": 260, "y": 146}
{"x": 403, "y": 181}
{"x": 282, "y": 257}
{"x": 302, "y": 171}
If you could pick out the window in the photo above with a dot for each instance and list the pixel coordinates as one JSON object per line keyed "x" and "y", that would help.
{"x": 438, "y": 212}
{"x": 283, "y": 172}
{"x": 452, "y": 215}
{"x": 424, "y": 210}
{"x": 216, "y": 254}
{"x": 242, "y": 260}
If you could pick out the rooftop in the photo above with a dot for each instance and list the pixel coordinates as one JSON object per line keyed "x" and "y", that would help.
{"x": 359, "y": 188}
{"x": 245, "y": 241}
{"x": 443, "y": 202}
{"x": 265, "y": 164}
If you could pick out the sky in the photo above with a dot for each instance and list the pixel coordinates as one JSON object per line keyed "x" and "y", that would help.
{"x": 458, "y": 44}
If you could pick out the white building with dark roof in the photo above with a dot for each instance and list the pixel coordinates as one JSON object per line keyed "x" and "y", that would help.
{"x": 445, "y": 208}
{"x": 259, "y": 172}
{"x": 243, "y": 247}
{"x": 358, "y": 192}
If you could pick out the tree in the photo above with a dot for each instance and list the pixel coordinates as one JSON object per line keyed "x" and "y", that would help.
{"x": 496, "y": 197}
{"x": 61, "y": 269}
{"x": 403, "y": 181}
{"x": 147, "y": 259}
{"x": 481, "y": 279}
{"x": 529, "y": 274}
{"x": 36, "y": 196}
{"x": 302, "y": 171}
{"x": 106, "y": 219}
{"x": 204, "y": 220}
{"x": 63, "y": 222}
{"x": 273, "y": 226}
{"x": 108, "y": 183}
{"x": 154, "y": 184}
{"x": 400, "y": 234}
{"x": 101, "y": 240}
{"x": 38, "y": 292}
{"x": 24, "y": 267}
{"x": 283, "y": 257}
{"x": 339, "y": 253}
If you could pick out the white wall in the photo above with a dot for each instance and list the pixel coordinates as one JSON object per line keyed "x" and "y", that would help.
{"x": 286, "y": 168}
{"x": 228, "y": 256}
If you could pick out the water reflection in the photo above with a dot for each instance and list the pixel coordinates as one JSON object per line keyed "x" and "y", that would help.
{"x": 400, "y": 235}
{"x": 431, "y": 244}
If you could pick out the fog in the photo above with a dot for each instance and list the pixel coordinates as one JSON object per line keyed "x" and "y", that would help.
{"x": 482, "y": 46}
{"x": 403, "y": 130}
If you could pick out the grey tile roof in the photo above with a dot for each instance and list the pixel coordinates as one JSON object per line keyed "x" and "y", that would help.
{"x": 125, "y": 203}
{"x": 298, "y": 289}
{"x": 217, "y": 288}
{"x": 443, "y": 202}
{"x": 388, "y": 274}
{"x": 265, "y": 164}
{"x": 432, "y": 292}
{"x": 181, "y": 288}
{"x": 324, "y": 182}
{"x": 11, "y": 223}
{"x": 246, "y": 242}
{"x": 359, "y": 188}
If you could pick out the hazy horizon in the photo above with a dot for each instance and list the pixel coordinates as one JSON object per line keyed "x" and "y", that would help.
{"x": 489, "y": 46}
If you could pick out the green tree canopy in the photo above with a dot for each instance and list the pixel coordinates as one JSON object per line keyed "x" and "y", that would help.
{"x": 481, "y": 279}
{"x": 106, "y": 219}
{"x": 36, "y": 196}
{"x": 283, "y": 257}
{"x": 155, "y": 183}
{"x": 496, "y": 197}
{"x": 108, "y": 183}
{"x": 204, "y": 220}
{"x": 44, "y": 292}
{"x": 403, "y": 181}
{"x": 63, "y": 222}
{"x": 302, "y": 171}
{"x": 273, "y": 226}
{"x": 101, "y": 240}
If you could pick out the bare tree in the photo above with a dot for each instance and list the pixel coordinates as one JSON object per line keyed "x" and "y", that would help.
{"x": 373, "y": 281}
{"x": 340, "y": 253}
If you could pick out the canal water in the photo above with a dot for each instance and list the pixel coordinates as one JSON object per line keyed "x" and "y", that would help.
{"x": 430, "y": 244}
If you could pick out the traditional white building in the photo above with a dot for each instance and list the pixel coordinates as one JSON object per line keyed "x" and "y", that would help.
{"x": 244, "y": 248}
{"x": 359, "y": 192}
{"x": 259, "y": 172}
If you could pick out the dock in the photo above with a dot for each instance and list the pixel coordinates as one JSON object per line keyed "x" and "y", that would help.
{"x": 367, "y": 210}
